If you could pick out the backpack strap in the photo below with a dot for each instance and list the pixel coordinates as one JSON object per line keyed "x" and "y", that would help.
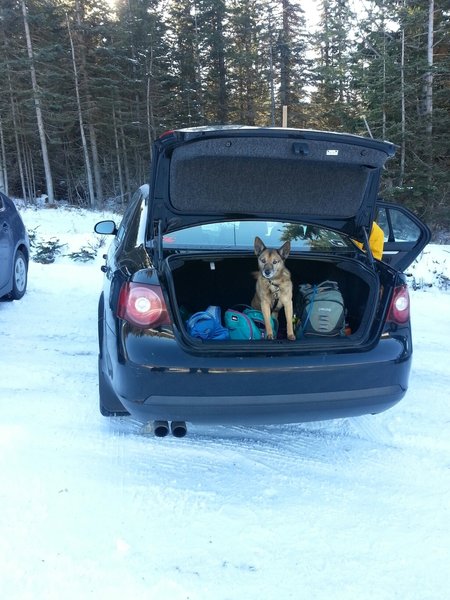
{"x": 310, "y": 307}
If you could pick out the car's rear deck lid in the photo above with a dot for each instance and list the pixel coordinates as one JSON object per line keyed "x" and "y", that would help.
{"x": 207, "y": 175}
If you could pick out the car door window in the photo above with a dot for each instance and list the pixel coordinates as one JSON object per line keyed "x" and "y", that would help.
{"x": 397, "y": 226}
{"x": 129, "y": 226}
{"x": 382, "y": 221}
{"x": 134, "y": 236}
{"x": 405, "y": 235}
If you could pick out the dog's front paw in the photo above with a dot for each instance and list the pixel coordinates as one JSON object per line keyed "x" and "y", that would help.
{"x": 269, "y": 336}
{"x": 291, "y": 337}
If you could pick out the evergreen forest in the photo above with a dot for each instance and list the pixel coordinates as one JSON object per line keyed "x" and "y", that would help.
{"x": 87, "y": 85}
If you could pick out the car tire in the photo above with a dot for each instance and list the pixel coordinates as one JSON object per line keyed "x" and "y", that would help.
{"x": 20, "y": 276}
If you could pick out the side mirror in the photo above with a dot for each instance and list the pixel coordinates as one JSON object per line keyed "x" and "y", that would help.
{"x": 106, "y": 228}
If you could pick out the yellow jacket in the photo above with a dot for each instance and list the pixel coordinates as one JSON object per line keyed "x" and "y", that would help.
{"x": 376, "y": 241}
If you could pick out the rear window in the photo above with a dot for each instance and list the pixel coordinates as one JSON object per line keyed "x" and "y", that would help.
{"x": 241, "y": 234}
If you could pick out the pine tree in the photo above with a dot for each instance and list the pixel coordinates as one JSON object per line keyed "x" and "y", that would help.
{"x": 107, "y": 84}
{"x": 143, "y": 102}
{"x": 248, "y": 61}
{"x": 333, "y": 104}
{"x": 291, "y": 60}
{"x": 38, "y": 105}
{"x": 186, "y": 89}
{"x": 210, "y": 21}
{"x": 400, "y": 83}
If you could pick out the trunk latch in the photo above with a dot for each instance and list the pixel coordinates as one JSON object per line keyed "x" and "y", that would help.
{"x": 300, "y": 148}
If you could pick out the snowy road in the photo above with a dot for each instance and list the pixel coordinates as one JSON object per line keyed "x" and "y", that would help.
{"x": 90, "y": 508}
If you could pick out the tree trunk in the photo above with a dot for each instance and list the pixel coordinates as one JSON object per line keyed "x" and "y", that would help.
{"x": 29, "y": 170}
{"x": 285, "y": 57}
{"x": 403, "y": 109}
{"x": 97, "y": 198}
{"x": 126, "y": 169}
{"x": 26, "y": 196}
{"x": 3, "y": 171}
{"x": 87, "y": 163}
{"x": 198, "y": 66}
{"x": 15, "y": 127}
{"x": 149, "y": 107}
{"x": 37, "y": 105}
{"x": 119, "y": 168}
{"x": 428, "y": 97}
{"x": 429, "y": 73}
{"x": 98, "y": 202}
{"x": 271, "y": 72}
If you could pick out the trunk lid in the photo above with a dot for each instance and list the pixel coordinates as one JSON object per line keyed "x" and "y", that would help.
{"x": 206, "y": 175}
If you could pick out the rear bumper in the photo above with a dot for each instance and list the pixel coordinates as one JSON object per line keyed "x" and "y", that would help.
{"x": 260, "y": 410}
{"x": 261, "y": 390}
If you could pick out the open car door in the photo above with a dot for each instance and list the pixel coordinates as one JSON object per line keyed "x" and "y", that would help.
{"x": 405, "y": 235}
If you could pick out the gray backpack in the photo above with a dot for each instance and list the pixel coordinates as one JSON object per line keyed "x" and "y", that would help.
{"x": 320, "y": 310}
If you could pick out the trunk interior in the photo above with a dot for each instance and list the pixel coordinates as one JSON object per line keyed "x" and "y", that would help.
{"x": 227, "y": 281}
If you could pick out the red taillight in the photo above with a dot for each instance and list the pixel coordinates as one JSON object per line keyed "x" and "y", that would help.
{"x": 142, "y": 305}
{"x": 399, "y": 309}
{"x": 167, "y": 136}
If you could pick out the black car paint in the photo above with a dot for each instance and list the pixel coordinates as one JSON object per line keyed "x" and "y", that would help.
{"x": 153, "y": 374}
{"x": 259, "y": 389}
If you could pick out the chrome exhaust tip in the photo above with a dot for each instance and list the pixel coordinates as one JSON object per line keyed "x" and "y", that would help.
{"x": 160, "y": 428}
{"x": 178, "y": 429}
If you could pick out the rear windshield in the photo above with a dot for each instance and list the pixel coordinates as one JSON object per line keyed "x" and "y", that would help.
{"x": 241, "y": 234}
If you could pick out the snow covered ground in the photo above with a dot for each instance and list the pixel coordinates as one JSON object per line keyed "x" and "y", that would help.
{"x": 353, "y": 509}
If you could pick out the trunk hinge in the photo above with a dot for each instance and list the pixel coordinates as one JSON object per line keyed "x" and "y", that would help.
{"x": 157, "y": 243}
{"x": 370, "y": 257}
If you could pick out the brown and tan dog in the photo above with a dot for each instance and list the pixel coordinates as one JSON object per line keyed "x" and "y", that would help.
{"x": 273, "y": 286}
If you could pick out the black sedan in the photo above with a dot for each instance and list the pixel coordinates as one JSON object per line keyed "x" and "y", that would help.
{"x": 14, "y": 251}
{"x": 186, "y": 244}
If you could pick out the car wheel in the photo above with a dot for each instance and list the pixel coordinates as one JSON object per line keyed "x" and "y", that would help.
{"x": 20, "y": 276}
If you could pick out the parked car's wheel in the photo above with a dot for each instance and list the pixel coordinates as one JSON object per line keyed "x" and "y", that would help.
{"x": 20, "y": 276}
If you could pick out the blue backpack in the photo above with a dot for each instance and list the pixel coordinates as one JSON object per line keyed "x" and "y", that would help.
{"x": 207, "y": 325}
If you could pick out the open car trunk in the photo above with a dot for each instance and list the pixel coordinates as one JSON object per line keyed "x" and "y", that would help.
{"x": 198, "y": 281}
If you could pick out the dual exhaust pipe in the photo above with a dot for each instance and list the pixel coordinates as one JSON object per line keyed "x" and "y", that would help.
{"x": 162, "y": 428}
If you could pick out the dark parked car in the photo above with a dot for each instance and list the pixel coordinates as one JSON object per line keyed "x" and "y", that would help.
{"x": 186, "y": 242}
{"x": 14, "y": 251}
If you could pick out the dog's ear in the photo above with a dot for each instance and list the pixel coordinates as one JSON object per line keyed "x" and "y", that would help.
{"x": 259, "y": 246}
{"x": 284, "y": 250}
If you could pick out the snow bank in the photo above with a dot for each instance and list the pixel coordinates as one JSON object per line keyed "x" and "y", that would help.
{"x": 353, "y": 509}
